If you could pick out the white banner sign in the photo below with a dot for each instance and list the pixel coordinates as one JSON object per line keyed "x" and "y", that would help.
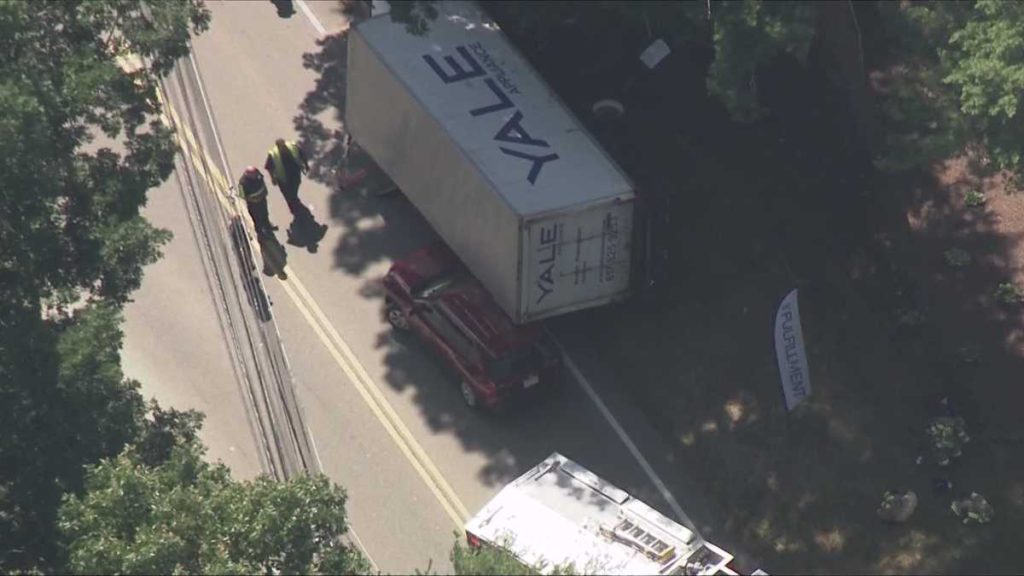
{"x": 790, "y": 351}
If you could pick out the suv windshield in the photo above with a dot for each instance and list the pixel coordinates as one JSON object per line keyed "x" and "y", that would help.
{"x": 437, "y": 286}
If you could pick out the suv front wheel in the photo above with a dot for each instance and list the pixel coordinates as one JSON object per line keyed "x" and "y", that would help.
{"x": 468, "y": 394}
{"x": 396, "y": 316}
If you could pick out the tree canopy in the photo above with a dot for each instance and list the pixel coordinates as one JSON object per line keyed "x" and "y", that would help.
{"x": 80, "y": 148}
{"x": 187, "y": 516}
{"x": 67, "y": 404}
{"x": 70, "y": 208}
{"x": 984, "y": 63}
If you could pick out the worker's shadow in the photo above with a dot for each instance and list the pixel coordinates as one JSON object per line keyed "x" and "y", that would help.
{"x": 275, "y": 258}
{"x": 306, "y": 233}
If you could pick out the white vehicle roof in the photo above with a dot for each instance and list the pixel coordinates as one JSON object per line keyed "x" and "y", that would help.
{"x": 498, "y": 110}
{"x": 561, "y": 513}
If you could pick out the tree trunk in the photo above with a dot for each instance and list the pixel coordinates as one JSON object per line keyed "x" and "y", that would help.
{"x": 840, "y": 55}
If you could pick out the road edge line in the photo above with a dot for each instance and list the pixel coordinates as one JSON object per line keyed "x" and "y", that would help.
{"x": 621, "y": 433}
{"x": 312, "y": 17}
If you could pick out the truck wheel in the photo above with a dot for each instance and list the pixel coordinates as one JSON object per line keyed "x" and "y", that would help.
{"x": 608, "y": 109}
{"x": 468, "y": 395}
{"x": 396, "y": 317}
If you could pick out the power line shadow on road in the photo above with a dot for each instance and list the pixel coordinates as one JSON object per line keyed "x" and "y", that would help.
{"x": 254, "y": 291}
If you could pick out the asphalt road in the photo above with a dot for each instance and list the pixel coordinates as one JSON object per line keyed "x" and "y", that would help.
{"x": 174, "y": 344}
{"x": 387, "y": 421}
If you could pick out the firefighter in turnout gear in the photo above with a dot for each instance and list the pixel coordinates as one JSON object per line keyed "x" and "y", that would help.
{"x": 253, "y": 190}
{"x": 974, "y": 509}
{"x": 286, "y": 163}
{"x": 947, "y": 434}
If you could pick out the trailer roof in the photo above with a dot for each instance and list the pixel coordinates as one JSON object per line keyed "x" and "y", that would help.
{"x": 560, "y": 513}
{"x": 498, "y": 110}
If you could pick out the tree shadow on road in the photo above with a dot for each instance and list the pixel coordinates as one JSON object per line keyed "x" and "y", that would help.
{"x": 325, "y": 147}
{"x": 513, "y": 439}
{"x": 381, "y": 228}
{"x": 356, "y": 183}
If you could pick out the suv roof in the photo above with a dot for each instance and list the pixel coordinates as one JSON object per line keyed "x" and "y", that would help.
{"x": 436, "y": 274}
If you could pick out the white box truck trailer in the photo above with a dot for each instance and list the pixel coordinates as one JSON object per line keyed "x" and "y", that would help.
{"x": 559, "y": 513}
{"x": 493, "y": 159}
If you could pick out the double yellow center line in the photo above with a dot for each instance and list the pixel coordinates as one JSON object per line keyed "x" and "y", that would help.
{"x": 325, "y": 331}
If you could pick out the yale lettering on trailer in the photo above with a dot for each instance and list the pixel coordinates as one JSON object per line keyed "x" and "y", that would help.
{"x": 498, "y": 82}
{"x": 548, "y": 248}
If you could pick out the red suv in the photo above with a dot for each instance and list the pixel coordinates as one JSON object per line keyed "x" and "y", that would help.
{"x": 432, "y": 294}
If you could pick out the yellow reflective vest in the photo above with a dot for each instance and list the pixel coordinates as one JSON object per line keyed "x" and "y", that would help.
{"x": 278, "y": 165}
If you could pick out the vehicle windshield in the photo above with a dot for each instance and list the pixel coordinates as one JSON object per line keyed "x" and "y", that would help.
{"x": 438, "y": 286}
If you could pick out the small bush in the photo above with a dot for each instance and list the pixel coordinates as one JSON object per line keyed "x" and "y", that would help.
{"x": 1008, "y": 293}
{"x": 957, "y": 258}
{"x": 974, "y": 199}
